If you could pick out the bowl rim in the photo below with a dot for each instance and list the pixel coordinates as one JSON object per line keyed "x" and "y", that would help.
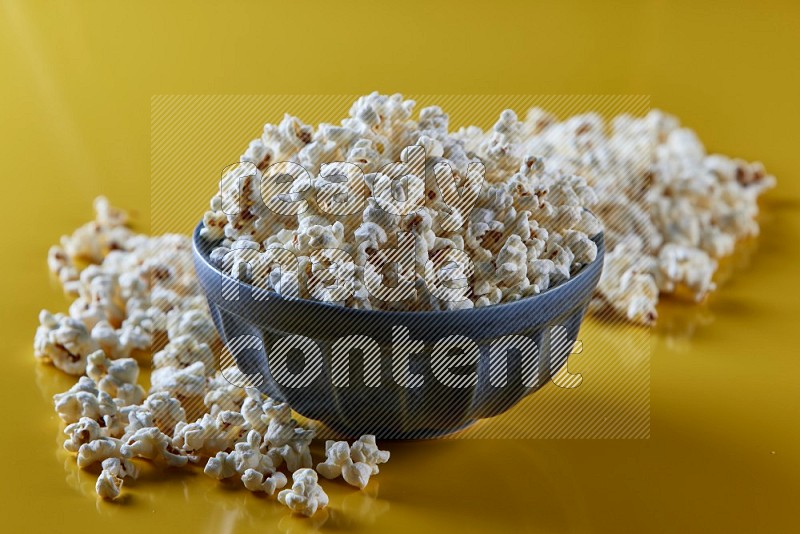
{"x": 586, "y": 271}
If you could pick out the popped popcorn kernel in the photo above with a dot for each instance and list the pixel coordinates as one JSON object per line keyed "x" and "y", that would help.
{"x": 305, "y": 496}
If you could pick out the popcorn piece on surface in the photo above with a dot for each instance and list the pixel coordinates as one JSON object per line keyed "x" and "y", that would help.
{"x": 247, "y": 455}
{"x": 116, "y": 377}
{"x": 255, "y": 467}
{"x": 84, "y": 400}
{"x": 254, "y": 480}
{"x": 225, "y": 395}
{"x": 84, "y": 431}
{"x": 185, "y": 383}
{"x": 108, "y": 486}
{"x": 365, "y": 450}
{"x": 685, "y": 266}
{"x": 627, "y": 285}
{"x": 210, "y": 435}
{"x": 63, "y": 341}
{"x": 253, "y": 409}
{"x": 306, "y": 496}
{"x": 137, "y": 417}
{"x": 339, "y": 463}
{"x": 287, "y": 442}
{"x": 166, "y": 411}
{"x": 183, "y": 351}
{"x": 109, "y": 483}
{"x": 98, "y": 450}
{"x": 220, "y": 466}
{"x": 152, "y": 444}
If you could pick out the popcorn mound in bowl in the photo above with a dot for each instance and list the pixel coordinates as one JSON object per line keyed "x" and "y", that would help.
{"x": 669, "y": 209}
{"x": 526, "y": 229}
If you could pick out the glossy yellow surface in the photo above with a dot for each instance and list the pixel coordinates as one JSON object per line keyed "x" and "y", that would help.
{"x": 724, "y": 446}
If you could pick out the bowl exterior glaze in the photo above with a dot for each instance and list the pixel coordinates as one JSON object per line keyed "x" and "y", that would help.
{"x": 391, "y": 411}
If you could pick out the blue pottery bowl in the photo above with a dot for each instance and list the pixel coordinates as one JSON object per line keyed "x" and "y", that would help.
{"x": 252, "y": 320}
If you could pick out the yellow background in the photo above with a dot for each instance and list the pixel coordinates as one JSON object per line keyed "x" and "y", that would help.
{"x": 724, "y": 446}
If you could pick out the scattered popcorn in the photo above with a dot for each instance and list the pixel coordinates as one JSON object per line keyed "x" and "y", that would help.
{"x": 627, "y": 285}
{"x": 92, "y": 241}
{"x": 665, "y": 203}
{"x": 247, "y": 455}
{"x": 224, "y": 394}
{"x": 254, "y": 408}
{"x": 166, "y": 412}
{"x": 306, "y": 496}
{"x": 186, "y": 383}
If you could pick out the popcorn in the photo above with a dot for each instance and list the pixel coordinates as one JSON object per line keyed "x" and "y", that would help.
{"x": 220, "y": 466}
{"x": 255, "y": 467}
{"x": 100, "y": 449}
{"x": 183, "y": 351}
{"x": 210, "y": 435}
{"x": 187, "y": 383}
{"x": 152, "y": 444}
{"x": 136, "y": 418}
{"x": 627, "y": 286}
{"x": 116, "y": 377}
{"x": 224, "y": 394}
{"x": 166, "y": 411}
{"x": 256, "y": 481}
{"x": 365, "y": 450}
{"x": 247, "y": 455}
{"x": 521, "y": 216}
{"x": 253, "y": 409}
{"x": 82, "y": 432}
{"x": 686, "y": 266}
{"x": 287, "y": 442}
{"x": 84, "y": 400}
{"x": 92, "y": 241}
{"x": 649, "y": 180}
{"x": 116, "y": 423}
{"x": 306, "y": 496}
{"x": 339, "y": 463}
{"x": 661, "y": 198}
{"x": 109, "y": 483}
{"x": 518, "y": 196}
{"x": 143, "y": 287}
{"x": 63, "y": 341}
